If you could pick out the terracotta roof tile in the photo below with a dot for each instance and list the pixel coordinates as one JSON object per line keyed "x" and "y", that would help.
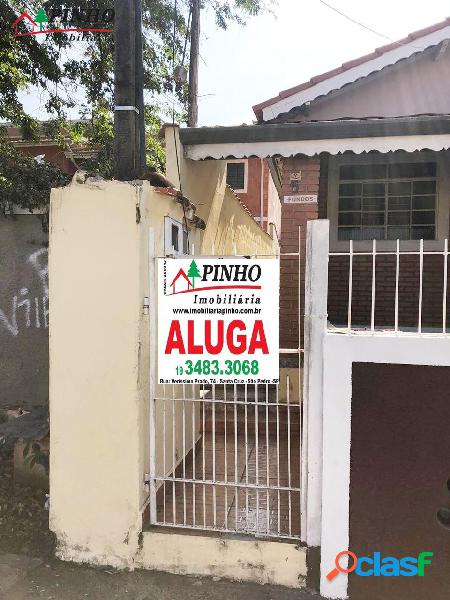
{"x": 258, "y": 108}
{"x": 359, "y": 61}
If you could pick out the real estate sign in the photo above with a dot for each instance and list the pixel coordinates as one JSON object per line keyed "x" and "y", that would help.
{"x": 218, "y": 320}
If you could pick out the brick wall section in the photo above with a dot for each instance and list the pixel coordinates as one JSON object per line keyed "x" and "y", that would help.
{"x": 252, "y": 198}
{"x": 385, "y": 291}
{"x": 53, "y": 154}
{"x": 293, "y": 216}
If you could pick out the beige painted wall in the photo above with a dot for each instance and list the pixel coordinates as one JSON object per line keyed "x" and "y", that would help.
{"x": 291, "y": 380}
{"x": 230, "y": 227}
{"x": 96, "y": 398}
{"x": 232, "y": 230}
{"x": 408, "y": 88}
{"x": 102, "y": 235}
{"x": 99, "y": 364}
{"x": 246, "y": 559}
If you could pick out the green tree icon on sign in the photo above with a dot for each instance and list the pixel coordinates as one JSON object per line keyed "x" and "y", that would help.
{"x": 193, "y": 272}
{"x": 41, "y": 17}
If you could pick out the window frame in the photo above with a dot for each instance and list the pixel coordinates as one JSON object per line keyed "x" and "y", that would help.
{"x": 245, "y": 163}
{"x": 442, "y": 160}
{"x": 169, "y": 249}
{"x": 385, "y": 198}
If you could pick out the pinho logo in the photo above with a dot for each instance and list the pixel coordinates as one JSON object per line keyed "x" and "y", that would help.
{"x": 216, "y": 277}
{"x": 378, "y": 566}
{"x": 64, "y": 20}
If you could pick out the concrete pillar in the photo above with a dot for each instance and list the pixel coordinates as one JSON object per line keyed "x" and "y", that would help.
{"x": 98, "y": 386}
{"x": 315, "y": 324}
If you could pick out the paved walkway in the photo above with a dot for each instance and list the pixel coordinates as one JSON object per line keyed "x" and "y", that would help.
{"x": 24, "y": 578}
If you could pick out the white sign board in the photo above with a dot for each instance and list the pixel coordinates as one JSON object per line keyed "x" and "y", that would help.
{"x": 301, "y": 199}
{"x": 218, "y": 320}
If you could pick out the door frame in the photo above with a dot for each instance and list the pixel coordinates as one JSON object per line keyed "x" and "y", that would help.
{"x": 340, "y": 351}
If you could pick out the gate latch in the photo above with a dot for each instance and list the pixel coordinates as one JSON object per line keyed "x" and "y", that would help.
{"x": 146, "y": 305}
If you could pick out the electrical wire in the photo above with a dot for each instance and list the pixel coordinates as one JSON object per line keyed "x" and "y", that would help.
{"x": 175, "y": 13}
{"x": 336, "y": 10}
{"x": 188, "y": 33}
{"x": 420, "y": 48}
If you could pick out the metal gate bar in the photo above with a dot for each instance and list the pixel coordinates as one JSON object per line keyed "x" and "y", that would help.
{"x": 246, "y": 482}
{"x": 227, "y": 458}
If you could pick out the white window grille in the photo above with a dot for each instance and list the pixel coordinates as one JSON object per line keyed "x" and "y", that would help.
{"x": 387, "y": 201}
{"x": 175, "y": 238}
{"x": 397, "y": 255}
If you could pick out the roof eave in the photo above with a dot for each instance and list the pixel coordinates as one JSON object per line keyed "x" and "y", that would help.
{"x": 357, "y": 128}
{"x": 343, "y": 74}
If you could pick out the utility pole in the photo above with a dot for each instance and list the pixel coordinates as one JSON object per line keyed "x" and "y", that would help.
{"x": 140, "y": 89}
{"x": 193, "y": 64}
{"x": 129, "y": 134}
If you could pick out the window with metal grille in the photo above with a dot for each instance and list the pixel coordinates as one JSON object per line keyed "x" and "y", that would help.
{"x": 387, "y": 201}
{"x": 236, "y": 175}
{"x": 175, "y": 238}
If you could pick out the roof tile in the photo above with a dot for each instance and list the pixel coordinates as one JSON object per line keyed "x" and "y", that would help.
{"x": 257, "y": 108}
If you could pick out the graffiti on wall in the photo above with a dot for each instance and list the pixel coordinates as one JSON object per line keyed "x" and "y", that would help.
{"x": 27, "y": 310}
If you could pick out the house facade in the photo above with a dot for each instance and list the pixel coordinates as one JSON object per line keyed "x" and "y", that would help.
{"x": 240, "y": 481}
{"x": 364, "y": 153}
{"x": 400, "y": 195}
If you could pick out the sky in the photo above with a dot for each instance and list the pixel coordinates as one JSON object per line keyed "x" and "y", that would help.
{"x": 243, "y": 66}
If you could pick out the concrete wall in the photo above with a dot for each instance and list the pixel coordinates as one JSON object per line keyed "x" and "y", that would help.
{"x": 231, "y": 229}
{"x": 100, "y": 364}
{"x": 230, "y": 226}
{"x": 23, "y": 312}
{"x": 103, "y": 238}
{"x": 261, "y": 195}
{"x": 97, "y": 389}
{"x": 415, "y": 87}
{"x": 339, "y": 354}
{"x": 258, "y": 560}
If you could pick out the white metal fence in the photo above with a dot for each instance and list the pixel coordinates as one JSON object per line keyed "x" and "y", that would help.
{"x": 392, "y": 285}
{"x": 227, "y": 458}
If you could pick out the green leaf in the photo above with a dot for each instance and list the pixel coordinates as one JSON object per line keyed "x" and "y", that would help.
{"x": 61, "y": 75}
{"x": 26, "y": 450}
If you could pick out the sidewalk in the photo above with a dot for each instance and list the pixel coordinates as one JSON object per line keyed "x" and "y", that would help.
{"x": 28, "y": 570}
{"x": 22, "y": 578}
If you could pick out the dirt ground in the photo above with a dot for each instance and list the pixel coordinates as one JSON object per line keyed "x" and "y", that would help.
{"x": 61, "y": 581}
{"x": 28, "y": 570}
{"x": 23, "y": 518}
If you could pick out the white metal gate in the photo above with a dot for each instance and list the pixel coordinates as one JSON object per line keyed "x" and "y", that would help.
{"x": 227, "y": 458}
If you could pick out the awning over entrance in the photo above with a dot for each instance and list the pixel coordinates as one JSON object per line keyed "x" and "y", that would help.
{"x": 409, "y": 134}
